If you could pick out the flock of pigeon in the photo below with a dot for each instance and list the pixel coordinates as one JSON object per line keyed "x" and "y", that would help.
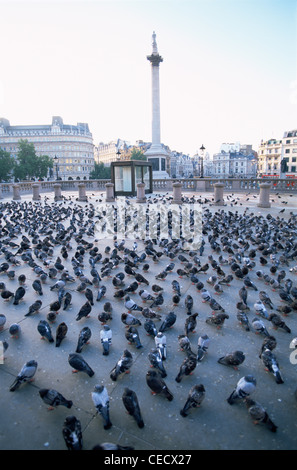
{"x": 56, "y": 244}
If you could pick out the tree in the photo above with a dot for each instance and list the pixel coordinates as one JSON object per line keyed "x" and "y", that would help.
{"x": 29, "y": 165}
{"x": 6, "y": 165}
{"x": 100, "y": 172}
{"x": 137, "y": 154}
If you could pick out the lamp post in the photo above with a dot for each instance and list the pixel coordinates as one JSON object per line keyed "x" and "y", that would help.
{"x": 56, "y": 160}
{"x": 202, "y": 148}
{"x": 118, "y": 154}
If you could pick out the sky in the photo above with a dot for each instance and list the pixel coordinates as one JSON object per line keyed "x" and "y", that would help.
{"x": 229, "y": 70}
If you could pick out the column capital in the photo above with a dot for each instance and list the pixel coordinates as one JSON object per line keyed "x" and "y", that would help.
{"x": 155, "y": 59}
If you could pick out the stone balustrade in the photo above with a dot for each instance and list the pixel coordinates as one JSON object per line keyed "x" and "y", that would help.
{"x": 198, "y": 185}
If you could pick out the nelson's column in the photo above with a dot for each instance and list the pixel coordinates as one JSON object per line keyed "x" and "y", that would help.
{"x": 156, "y": 154}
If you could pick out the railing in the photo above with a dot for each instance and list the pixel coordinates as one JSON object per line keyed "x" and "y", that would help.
{"x": 159, "y": 185}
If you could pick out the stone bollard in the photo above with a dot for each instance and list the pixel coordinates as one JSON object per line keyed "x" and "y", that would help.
{"x": 82, "y": 192}
{"x": 264, "y": 195}
{"x": 58, "y": 192}
{"x": 1, "y": 192}
{"x": 109, "y": 192}
{"x": 36, "y": 189}
{"x": 219, "y": 194}
{"x": 141, "y": 192}
{"x": 16, "y": 192}
{"x": 177, "y": 193}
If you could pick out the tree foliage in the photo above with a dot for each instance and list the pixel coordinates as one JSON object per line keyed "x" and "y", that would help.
{"x": 6, "y": 165}
{"x": 100, "y": 172}
{"x": 29, "y": 165}
{"x": 137, "y": 154}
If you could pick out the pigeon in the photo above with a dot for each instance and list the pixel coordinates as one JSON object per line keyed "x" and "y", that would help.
{"x": 55, "y": 306}
{"x": 2, "y": 321}
{"x": 217, "y": 320}
{"x": 111, "y": 446}
{"x": 131, "y": 305}
{"x": 168, "y": 322}
{"x": 268, "y": 343}
{"x": 248, "y": 283}
{"x": 58, "y": 285}
{"x": 260, "y": 309}
{"x": 37, "y": 287}
{"x": 150, "y": 327}
{"x": 243, "y": 320}
{"x": 259, "y": 415}
{"x": 45, "y": 331}
{"x": 67, "y": 300}
{"x": 157, "y": 361}
{"x": 259, "y": 327}
{"x": 159, "y": 300}
{"x": 157, "y": 384}
{"x": 130, "y": 402}
{"x": 84, "y": 311}
{"x": 128, "y": 319}
{"x": 184, "y": 343}
{"x": 131, "y": 288}
{"x": 243, "y": 293}
{"x": 106, "y": 338}
{"x": 14, "y": 330}
{"x": 215, "y": 306}
{"x": 265, "y": 299}
{"x": 190, "y": 323}
{"x": 244, "y": 388}
{"x": 145, "y": 295}
{"x": 284, "y": 309}
{"x": 271, "y": 364}
{"x": 189, "y": 302}
{"x": 122, "y": 366}
{"x": 26, "y": 374}
{"x": 72, "y": 433}
{"x": 53, "y": 398}
{"x": 34, "y": 308}
{"x": 195, "y": 397}
{"x": 161, "y": 344}
{"x": 233, "y": 359}
{"x": 176, "y": 287}
{"x": 157, "y": 289}
{"x": 19, "y": 294}
{"x": 61, "y": 333}
{"x": 206, "y": 297}
{"x": 187, "y": 367}
{"x": 89, "y": 296}
{"x": 83, "y": 338}
{"x": 150, "y": 314}
{"x": 101, "y": 293}
{"x": 100, "y": 399}
{"x": 278, "y": 322}
{"x": 79, "y": 364}
{"x": 203, "y": 345}
{"x": 7, "y": 295}
{"x": 132, "y": 336}
{"x": 141, "y": 279}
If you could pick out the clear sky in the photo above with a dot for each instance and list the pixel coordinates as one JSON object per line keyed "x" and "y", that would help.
{"x": 229, "y": 71}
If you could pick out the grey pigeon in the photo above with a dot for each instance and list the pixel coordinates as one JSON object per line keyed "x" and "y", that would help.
{"x": 244, "y": 388}
{"x": 72, "y": 433}
{"x": 100, "y": 399}
{"x": 195, "y": 398}
{"x": 26, "y": 374}
{"x": 131, "y": 404}
{"x": 79, "y": 364}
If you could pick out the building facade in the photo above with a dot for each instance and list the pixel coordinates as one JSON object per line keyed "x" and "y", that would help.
{"x": 272, "y": 152}
{"x": 234, "y": 164}
{"x": 71, "y": 144}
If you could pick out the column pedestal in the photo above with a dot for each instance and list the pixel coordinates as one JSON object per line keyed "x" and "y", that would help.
{"x": 219, "y": 194}
{"x": 36, "y": 189}
{"x": 177, "y": 193}
{"x": 58, "y": 192}
{"x": 109, "y": 192}
{"x": 16, "y": 192}
{"x": 141, "y": 192}
{"x": 264, "y": 195}
{"x": 82, "y": 192}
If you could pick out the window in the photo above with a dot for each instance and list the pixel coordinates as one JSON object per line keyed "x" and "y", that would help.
{"x": 287, "y": 151}
{"x": 288, "y": 141}
{"x": 293, "y": 159}
{"x": 293, "y": 169}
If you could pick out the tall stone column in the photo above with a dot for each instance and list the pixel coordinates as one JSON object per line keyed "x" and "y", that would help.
{"x": 156, "y": 151}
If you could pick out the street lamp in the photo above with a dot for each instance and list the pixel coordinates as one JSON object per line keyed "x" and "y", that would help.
{"x": 202, "y": 148}
{"x": 56, "y": 160}
{"x": 118, "y": 154}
